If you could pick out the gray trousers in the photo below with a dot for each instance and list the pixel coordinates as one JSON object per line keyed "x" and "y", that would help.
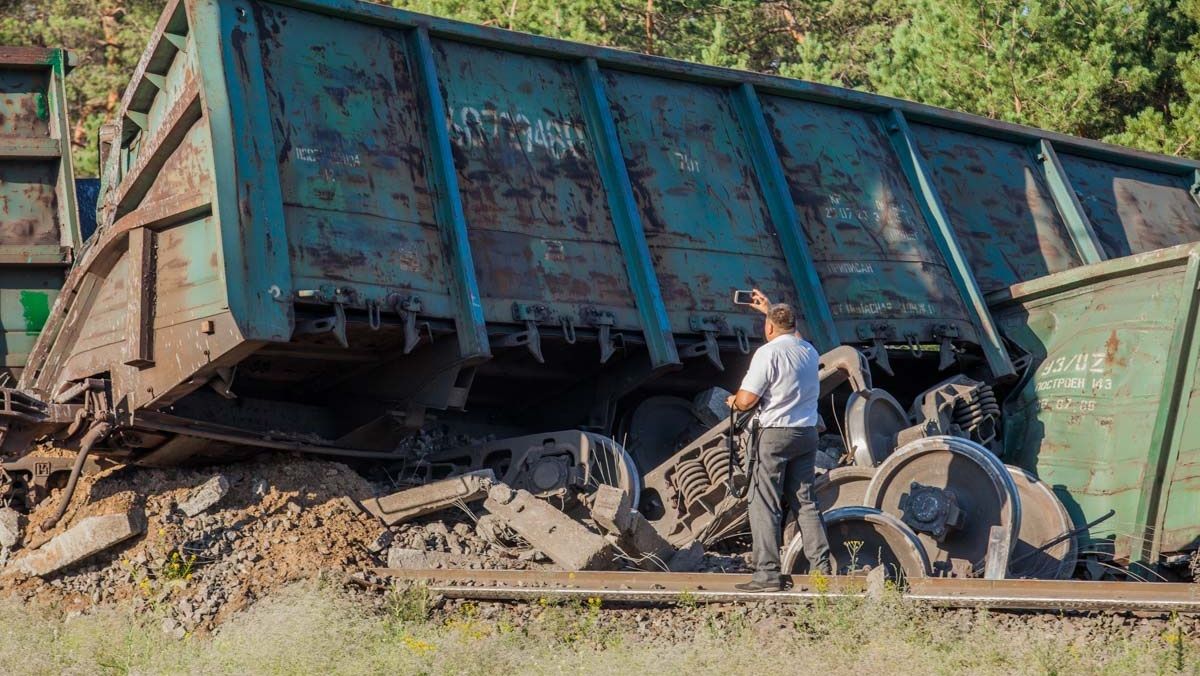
{"x": 784, "y": 471}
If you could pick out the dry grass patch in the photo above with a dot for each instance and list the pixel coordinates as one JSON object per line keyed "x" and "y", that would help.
{"x": 318, "y": 628}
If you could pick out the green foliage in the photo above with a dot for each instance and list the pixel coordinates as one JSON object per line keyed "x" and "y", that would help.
{"x": 106, "y": 37}
{"x": 575, "y": 622}
{"x": 409, "y": 603}
{"x": 178, "y": 567}
{"x": 1126, "y": 71}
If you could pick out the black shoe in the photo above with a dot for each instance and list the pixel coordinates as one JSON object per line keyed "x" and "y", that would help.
{"x": 755, "y": 586}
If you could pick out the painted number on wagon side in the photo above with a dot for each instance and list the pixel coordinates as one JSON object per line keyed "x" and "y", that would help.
{"x": 472, "y": 127}
{"x": 687, "y": 162}
{"x": 1068, "y": 405}
{"x": 1081, "y": 362}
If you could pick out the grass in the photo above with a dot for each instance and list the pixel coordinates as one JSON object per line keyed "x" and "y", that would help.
{"x": 314, "y": 628}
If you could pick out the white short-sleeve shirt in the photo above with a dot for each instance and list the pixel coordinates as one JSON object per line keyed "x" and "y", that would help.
{"x": 784, "y": 374}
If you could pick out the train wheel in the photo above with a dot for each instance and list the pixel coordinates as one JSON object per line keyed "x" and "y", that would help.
{"x": 657, "y": 428}
{"x": 605, "y": 462}
{"x": 552, "y": 465}
{"x": 951, "y": 492}
{"x": 862, "y": 538}
{"x": 1043, "y": 519}
{"x": 842, "y": 487}
{"x": 872, "y": 423}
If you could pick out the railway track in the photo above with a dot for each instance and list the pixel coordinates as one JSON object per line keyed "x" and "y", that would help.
{"x": 669, "y": 588}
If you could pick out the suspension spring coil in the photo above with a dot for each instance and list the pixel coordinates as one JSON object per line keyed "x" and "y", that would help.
{"x": 716, "y": 463}
{"x": 691, "y": 480}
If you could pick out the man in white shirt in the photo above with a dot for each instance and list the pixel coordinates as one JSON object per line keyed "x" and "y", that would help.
{"x": 783, "y": 382}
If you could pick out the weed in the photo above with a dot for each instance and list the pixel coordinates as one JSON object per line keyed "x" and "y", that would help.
{"x": 465, "y": 621}
{"x": 178, "y": 567}
{"x": 575, "y": 622}
{"x": 416, "y": 645}
{"x": 820, "y": 582}
{"x": 853, "y": 547}
{"x": 726, "y": 624}
{"x": 1176, "y": 644}
{"x": 737, "y": 622}
{"x": 409, "y": 604}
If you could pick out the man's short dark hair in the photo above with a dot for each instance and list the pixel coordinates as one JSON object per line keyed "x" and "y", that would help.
{"x": 782, "y": 316}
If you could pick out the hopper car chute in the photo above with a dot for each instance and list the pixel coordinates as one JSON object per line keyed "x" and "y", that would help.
{"x": 324, "y": 224}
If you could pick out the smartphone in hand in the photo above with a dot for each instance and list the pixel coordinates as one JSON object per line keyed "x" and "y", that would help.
{"x": 743, "y": 297}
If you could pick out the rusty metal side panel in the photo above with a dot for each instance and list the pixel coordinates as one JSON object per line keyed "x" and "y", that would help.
{"x": 26, "y": 295}
{"x": 1134, "y": 210}
{"x": 705, "y": 219}
{"x": 872, "y": 248}
{"x": 24, "y": 104}
{"x": 1176, "y": 527}
{"x": 540, "y": 226}
{"x": 149, "y": 292}
{"x": 105, "y": 325}
{"x": 1089, "y": 419}
{"x": 186, "y": 271}
{"x": 1000, "y": 206}
{"x": 358, "y": 206}
{"x": 29, "y": 206}
{"x": 37, "y": 218}
{"x": 29, "y": 203}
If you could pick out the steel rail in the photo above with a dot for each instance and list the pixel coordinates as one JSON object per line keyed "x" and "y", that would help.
{"x": 670, "y": 588}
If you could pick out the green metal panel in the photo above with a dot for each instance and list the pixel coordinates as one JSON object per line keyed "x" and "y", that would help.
{"x": 656, "y": 325}
{"x": 707, "y": 224}
{"x": 774, "y": 186}
{"x": 26, "y": 295}
{"x": 361, "y": 203}
{"x": 247, "y": 197}
{"x": 999, "y": 204}
{"x": 538, "y": 214}
{"x": 1134, "y": 209}
{"x": 1072, "y": 211}
{"x": 921, "y": 181}
{"x": 38, "y": 221}
{"x": 879, "y": 263}
{"x": 1105, "y": 412}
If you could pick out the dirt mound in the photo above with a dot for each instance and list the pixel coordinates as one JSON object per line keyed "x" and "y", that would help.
{"x": 283, "y": 519}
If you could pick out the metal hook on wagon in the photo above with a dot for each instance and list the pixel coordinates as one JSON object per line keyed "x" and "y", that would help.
{"x": 947, "y": 354}
{"x": 374, "y": 315}
{"x": 339, "y": 324}
{"x": 603, "y": 321}
{"x": 743, "y": 341}
{"x": 407, "y": 308}
{"x": 532, "y": 339}
{"x": 707, "y": 347}
{"x": 878, "y": 354}
{"x": 335, "y": 325}
{"x": 945, "y": 334}
{"x": 914, "y": 346}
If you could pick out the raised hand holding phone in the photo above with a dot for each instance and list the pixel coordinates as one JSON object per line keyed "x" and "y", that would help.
{"x": 759, "y": 301}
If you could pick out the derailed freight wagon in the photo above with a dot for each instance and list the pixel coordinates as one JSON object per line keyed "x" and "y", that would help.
{"x": 38, "y": 219}
{"x": 326, "y": 224}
